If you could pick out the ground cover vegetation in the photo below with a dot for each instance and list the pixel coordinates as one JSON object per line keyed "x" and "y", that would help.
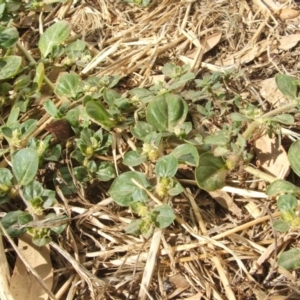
{"x": 149, "y": 149}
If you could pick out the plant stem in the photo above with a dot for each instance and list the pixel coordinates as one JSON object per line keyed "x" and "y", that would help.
{"x": 260, "y": 174}
{"x": 248, "y": 132}
{"x": 32, "y": 60}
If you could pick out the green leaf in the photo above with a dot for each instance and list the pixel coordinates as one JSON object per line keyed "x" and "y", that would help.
{"x": 124, "y": 191}
{"x": 9, "y": 66}
{"x": 176, "y": 189}
{"x": 134, "y": 227}
{"x": 68, "y": 85}
{"x": 166, "y": 112}
{"x": 39, "y": 76}
{"x": 216, "y": 140}
{"x": 192, "y": 95}
{"x": 289, "y": 259}
{"x": 286, "y": 84}
{"x": 51, "y": 109}
{"x": 21, "y": 82}
{"x": 186, "y": 154}
{"x": 153, "y": 139}
{"x": 141, "y": 129}
{"x": 294, "y": 157}
{"x": 164, "y": 216}
{"x": 141, "y": 3}
{"x": 8, "y": 37}
{"x": 134, "y": 158}
{"x": 97, "y": 112}
{"x": 280, "y": 187}
{"x": 53, "y": 154}
{"x": 74, "y": 50}
{"x": 15, "y": 218}
{"x": 5, "y": 185}
{"x": 171, "y": 70}
{"x": 55, "y": 35}
{"x": 166, "y": 166}
{"x": 237, "y": 117}
{"x": 220, "y": 151}
{"x": 64, "y": 180}
{"x": 287, "y": 203}
{"x": 106, "y": 171}
{"x": 211, "y": 173}
{"x": 5, "y": 176}
{"x": 13, "y": 115}
{"x": 143, "y": 95}
{"x": 110, "y": 96}
{"x": 41, "y": 240}
{"x": 281, "y": 225}
{"x": 32, "y": 190}
{"x": 182, "y": 81}
{"x": 25, "y": 164}
{"x": 27, "y": 127}
{"x": 286, "y": 119}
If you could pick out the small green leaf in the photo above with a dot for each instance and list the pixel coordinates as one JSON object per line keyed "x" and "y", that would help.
{"x": 134, "y": 227}
{"x": 211, "y": 172}
{"x": 25, "y": 164}
{"x": 141, "y": 129}
{"x": 124, "y": 191}
{"x": 237, "y": 117}
{"x": 166, "y": 166}
{"x": 32, "y": 190}
{"x": 15, "y": 218}
{"x": 9, "y": 66}
{"x": 55, "y": 35}
{"x": 216, "y": 140}
{"x": 289, "y": 259}
{"x": 53, "y": 154}
{"x": 281, "y": 226}
{"x": 176, "y": 189}
{"x": 220, "y": 151}
{"x": 143, "y": 95}
{"x": 74, "y": 50}
{"x": 166, "y": 112}
{"x": 21, "y": 82}
{"x": 64, "y": 180}
{"x": 134, "y": 158}
{"x": 41, "y": 240}
{"x": 294, "y": 157}
{"x": 187, "y": 154}
{"x": 164, "y": 216}
{"x": 8, "y": 37}
{"x": 286, "y": 119}
{"x": 280, "y": 187}
{"x": 287, "y": 203}
{"x": 110, "y": 96}
{"x": 5, "y": 185}
{"x": 39, "y": 76}
{"x": 27, "y": 127}
{"x": 171, "y": 70}
{"x": 81, "y": 174}
{"x": 106, "y": 171}
{"x": 51, "y": 109}
{"x": 286, "y": 85}
{"x": 13, "y": 115}
{"x": 97, "y": 112}
{"x": 182, "y": 81}
{"x": 68, "y": 85}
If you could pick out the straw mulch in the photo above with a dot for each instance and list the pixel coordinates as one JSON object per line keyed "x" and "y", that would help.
{"x": 222, "y": 245}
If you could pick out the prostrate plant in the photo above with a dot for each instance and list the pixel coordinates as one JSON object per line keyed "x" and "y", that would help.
{"x": 165, "y": 121}
{"x": 28, "y": 153}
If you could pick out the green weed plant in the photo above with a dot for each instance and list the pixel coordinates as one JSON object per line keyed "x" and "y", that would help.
{"x": 158, "y": 118}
